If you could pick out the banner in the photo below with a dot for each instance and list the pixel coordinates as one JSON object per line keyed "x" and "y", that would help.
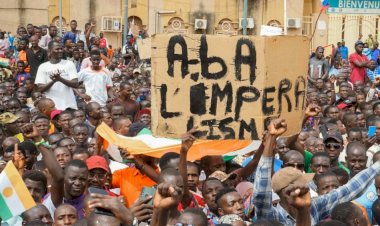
{"x": 228, "y": 86}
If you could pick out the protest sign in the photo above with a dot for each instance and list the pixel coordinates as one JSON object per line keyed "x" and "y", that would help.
{"x": 144, "y": 47}
{"x": 228, "y": 86}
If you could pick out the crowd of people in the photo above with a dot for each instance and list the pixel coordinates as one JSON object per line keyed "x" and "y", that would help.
{"x": 55, "y": 91}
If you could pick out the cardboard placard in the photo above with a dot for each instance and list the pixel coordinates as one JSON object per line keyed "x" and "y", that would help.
{"x": 228, "y": 86}
{"x": 144, "y": 47}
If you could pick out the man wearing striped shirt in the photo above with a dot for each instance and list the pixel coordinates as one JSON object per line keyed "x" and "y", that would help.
{"x": 284, "y": 212}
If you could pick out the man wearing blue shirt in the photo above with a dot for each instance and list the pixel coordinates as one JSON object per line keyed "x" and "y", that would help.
{"x": 376, "y": 53}
{"x": 344, "y": 50}
{"x": 73, "y": 34}
{"x": 356, "y": 160}
{"x": 373, "y": 70}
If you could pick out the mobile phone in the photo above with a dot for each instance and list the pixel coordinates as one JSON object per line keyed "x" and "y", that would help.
{"x": 371, "y": 131}
{"x": 93, "y": 190}
{"x": 147, "y": 191}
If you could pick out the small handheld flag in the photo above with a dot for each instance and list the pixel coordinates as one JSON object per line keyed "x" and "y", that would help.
{"x": 14, "y": 196}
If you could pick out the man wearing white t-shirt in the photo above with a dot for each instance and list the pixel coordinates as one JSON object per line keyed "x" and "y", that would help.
{"x": 97, "y": 80}
{"x": 57, "y": 78}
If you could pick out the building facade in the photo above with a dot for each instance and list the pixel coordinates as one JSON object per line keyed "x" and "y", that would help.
{"x": 219, "y": 17}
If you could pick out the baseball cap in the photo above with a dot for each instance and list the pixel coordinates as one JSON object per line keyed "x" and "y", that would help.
{"x": 222, "y": 176}
{"x": 136, "y": 70}
{"x": 333, "y": 134}
{"x": 288, "y": 175}
{"x": 7, "y": 118}
{"x": 97, "y": 162}
{"x": 343, "y": 105}
{"x": 359, "y": 43}
{"x": 54, "y": 113}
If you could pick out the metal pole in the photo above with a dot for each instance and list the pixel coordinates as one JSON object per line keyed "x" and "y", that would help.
{"x": 245, "y": 22}
{"x": 125, "y": 22}
{"x": 285, "y": 18}
{"x": 60, "y": 17}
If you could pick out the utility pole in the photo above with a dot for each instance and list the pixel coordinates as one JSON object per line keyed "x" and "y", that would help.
{"x": 60, "y": 17}
{"x": 125, "y": 32}
{"x": 245, "y": 22}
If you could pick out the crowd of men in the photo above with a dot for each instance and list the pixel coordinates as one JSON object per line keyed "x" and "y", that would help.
{"x": 55, "y": 91}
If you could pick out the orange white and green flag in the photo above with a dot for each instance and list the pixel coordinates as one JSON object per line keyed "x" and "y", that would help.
{"x": 14, "y": 196}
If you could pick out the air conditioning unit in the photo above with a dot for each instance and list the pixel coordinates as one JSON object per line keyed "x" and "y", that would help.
{"x": 294, "y": 23}
{"x": 111, "y": 24}
{"x": 200, "y": 24}
{"x": 250, "y": 23}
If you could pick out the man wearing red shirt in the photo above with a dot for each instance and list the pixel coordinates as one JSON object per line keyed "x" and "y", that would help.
{"x": 359, "y": 63}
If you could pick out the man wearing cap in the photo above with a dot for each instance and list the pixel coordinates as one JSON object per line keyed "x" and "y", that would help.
{"x": 333, "y": 141}
{"x": 289, "y": 177}
{"x": 99, "y": 173}
{"x": 359, "y": 63}
{"x": 136, "y": 72}
{"x": 9, "y": 121}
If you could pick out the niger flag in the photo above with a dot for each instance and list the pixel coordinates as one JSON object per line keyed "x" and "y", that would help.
{"x": 14, "y": 196}
{"x": 147, "y": 144}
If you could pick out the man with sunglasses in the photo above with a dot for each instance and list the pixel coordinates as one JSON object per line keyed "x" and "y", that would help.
{"x": 294, "y": 159}
{"x": 333, "y": 141}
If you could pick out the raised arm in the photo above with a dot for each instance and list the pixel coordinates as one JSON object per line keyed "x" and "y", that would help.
{"x": 352, "y": 190}
{"x": 30, "y": 131}
{"x": 88, "y": 33}
{"x": 187, "y": 142}
{"x": 145, "y": 168}
{"x": 165, "y": 198}
{"x": 262, "y": 196}
{"x": 299, "y": 197}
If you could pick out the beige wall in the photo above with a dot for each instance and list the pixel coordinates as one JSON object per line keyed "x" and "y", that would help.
{"x": 54, "y": 13}
{"x": 21, "y": 12}
{"x": 80, "y": 11}
{"x": 114, "y": 8}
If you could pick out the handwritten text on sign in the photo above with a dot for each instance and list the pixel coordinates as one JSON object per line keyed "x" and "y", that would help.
{"x": 229, "y": 86}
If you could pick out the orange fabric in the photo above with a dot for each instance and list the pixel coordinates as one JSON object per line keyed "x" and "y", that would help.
{"x": 52, "y": 128}
{"x": 110, "y": 53}
{"x": 199, "y": 149}
{"x": 105, "y": 59}
{"x": 130, "y": 181}
{"x": 22, "y": 56}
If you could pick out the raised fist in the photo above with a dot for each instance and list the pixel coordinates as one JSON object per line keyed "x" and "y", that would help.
{"x": 277, "y": 127}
